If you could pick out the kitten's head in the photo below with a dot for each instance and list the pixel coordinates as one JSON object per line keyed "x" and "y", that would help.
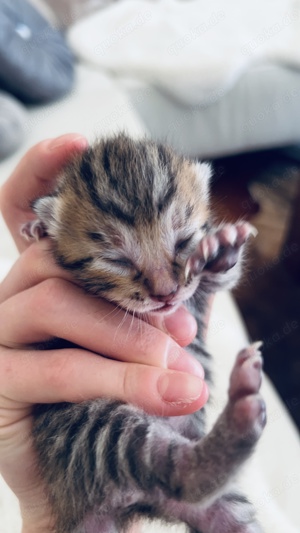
{"x": 125, "y": 218}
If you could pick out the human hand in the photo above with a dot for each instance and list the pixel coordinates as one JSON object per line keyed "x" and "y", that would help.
{"x": 38, "y": 301}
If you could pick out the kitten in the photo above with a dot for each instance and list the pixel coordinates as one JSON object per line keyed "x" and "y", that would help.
{"x": 131, "y": 220}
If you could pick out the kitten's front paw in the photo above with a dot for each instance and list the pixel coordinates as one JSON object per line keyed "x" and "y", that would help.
{"x": 220, "y": 250}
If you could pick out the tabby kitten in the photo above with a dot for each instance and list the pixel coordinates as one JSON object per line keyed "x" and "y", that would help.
{"x": 130, "y": 220}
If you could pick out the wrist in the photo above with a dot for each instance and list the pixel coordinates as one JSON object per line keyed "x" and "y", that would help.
{"x": 38, "y": 525}
{"x": 37, "y": 528}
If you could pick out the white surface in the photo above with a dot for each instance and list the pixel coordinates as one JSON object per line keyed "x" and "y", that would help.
{"x": 190, "y": 49}
{"x": 273, "y": 476}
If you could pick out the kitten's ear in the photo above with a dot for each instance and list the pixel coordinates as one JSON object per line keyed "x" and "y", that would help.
{"x": 46, "y": 223}
{"x": 45, "y": 209}
{"x": 204, "y": 174}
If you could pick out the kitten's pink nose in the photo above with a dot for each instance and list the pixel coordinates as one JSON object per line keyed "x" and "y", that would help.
{"x": 166, "y": 298}
{"x": 161, "y": 285}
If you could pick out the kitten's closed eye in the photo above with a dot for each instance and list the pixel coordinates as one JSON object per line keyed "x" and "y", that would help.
{"x": 182, "y": 244}
{"x": 122, "y": 262}
{"x": 96, "y": 236}
{"x": 206, "y": 227}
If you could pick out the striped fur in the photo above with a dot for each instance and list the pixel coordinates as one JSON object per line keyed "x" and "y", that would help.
{"x": 125, "y": 219}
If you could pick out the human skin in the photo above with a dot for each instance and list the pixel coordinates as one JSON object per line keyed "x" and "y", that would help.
{"x": 119, "y": 356}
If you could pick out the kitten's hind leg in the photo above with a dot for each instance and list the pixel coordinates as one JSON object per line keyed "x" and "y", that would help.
{"x": 233, "y": 437}
{"x": 126, "y": 448}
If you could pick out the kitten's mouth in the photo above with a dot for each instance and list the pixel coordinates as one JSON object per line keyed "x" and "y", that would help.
{"x": 165, "y": 308}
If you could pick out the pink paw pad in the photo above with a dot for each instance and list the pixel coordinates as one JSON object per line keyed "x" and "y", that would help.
{"x": 235, "y": 235}
{"x": 247, "y": 372}
{"x": 249, "y": 415}
{"x": 247, "y": 408}
{"x": 219, "y": 251}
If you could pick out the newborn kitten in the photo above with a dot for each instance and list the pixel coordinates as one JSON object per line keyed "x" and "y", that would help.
{"x": 131, "y": 220}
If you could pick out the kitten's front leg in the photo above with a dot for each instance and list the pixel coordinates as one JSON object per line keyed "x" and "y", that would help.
{"x": 219, "y": 255}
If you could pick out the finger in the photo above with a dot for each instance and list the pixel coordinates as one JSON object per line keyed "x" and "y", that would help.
{"x": 73, "y": 375}
{"x": 57, "y": 308}
{"x": 181, "y": 325}
{"x": 35, "y": 176}
{"x": 35, "y": 264}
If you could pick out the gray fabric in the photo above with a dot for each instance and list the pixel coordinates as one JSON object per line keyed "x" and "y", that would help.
{"x": 261, "y": 111}
{"x": 13, "y": 116}
{"x": 36, "y": 64}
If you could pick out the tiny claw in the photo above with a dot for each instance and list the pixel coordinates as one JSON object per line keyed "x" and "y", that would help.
{"x": 257, "y": 345}
{"x": 194, "y": 266}
{"x": 187, "y": 269}
{"x": 253, "y": 231}
{"x": 205, "y": 250}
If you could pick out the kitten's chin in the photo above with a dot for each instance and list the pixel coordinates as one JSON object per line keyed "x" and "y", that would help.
{"x": 166, "y": 309}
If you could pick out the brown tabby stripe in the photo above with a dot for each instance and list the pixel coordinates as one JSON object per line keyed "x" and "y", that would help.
{"x": 96, "y": 287}
{"x": 165, "y": 201}
{"x": 163, "y": 156}
{"x": 111, "y": 448}
{"x": 168, "y": 468}
{"x": 138, "y": 436}
{"x": 74, "y": 265}
{"x": 102, "y": 420}
{"x": 85, "y": 168}
{"x": 106, "y": 165}
{"x": 86, "y": 171}
{"x": 71, "y": 433}
{"x": 111, "y": 208}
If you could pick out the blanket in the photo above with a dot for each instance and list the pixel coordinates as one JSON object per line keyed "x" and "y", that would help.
{"x": 196, "y": 50}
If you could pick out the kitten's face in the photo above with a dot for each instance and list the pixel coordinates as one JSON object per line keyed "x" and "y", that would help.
{"x": 125, "y": 220}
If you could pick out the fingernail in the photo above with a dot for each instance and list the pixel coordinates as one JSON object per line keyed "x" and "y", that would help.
{"x": 179, "y": 388}
{"x": 179, "y": 359}
{"x": 79, "y": 140}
